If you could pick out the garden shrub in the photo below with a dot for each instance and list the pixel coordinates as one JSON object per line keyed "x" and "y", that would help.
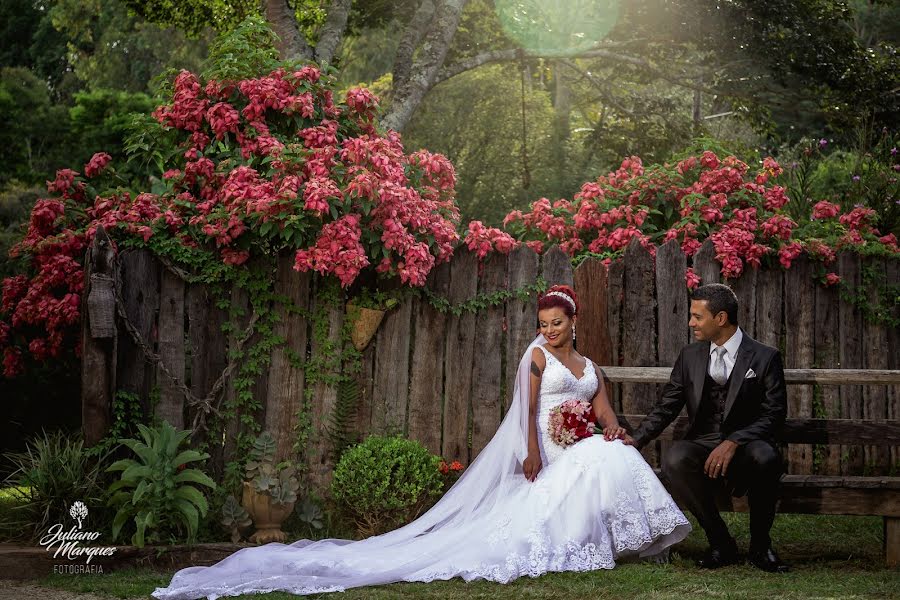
{"x": 54, "y": 471}
{"x": 385, "y": 482}
{"x": 155, "y": 490}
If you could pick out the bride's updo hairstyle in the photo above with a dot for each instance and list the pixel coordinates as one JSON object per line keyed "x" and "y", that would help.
{"x": 559, "y": 296}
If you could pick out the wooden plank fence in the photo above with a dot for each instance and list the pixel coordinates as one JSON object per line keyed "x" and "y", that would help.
{"x": 445, "y": 379}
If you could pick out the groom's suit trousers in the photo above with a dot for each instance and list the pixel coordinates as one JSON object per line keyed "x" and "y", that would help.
{"x": 756, "y": 468}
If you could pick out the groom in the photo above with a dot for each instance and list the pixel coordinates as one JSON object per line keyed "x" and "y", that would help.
{"x": 734, "y": 390}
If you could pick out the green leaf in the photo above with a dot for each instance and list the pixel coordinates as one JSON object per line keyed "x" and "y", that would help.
{"x": 119, "y": 520}
{"x": 137, "y": 472}
{"x": 140, "y": 490}
{"x": 190, "y": 514}
{"x": 189, "y": 456}
{"x": 145, "y": 453}
{"x": 120, "y": 465}
{"x": 195, "y": 476}
{"x": 192, "y": 494}
{"x": 140, "y": 522}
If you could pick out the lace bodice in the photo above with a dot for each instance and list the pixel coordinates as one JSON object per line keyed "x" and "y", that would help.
{"x": 559, "y": 384}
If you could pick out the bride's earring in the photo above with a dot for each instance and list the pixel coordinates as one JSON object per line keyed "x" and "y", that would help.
{"x": 573, "y": 334}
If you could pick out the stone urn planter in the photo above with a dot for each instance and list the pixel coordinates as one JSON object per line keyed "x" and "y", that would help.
{"x": 267, "y": 515}
{"x": 270, "y": 490}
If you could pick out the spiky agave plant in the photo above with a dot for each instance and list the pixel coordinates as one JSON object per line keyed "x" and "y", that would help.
{"x": 155, "y": 489}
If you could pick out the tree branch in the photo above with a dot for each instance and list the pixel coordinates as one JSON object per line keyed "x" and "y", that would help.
{"x": 432, "y": 54}
{"x": 333, "y": 30}
{"x": 512, "y": 54}
{"x": 291, "y": 44}
{"x": 601, "y": 89}
{"x": 412, "y": 37}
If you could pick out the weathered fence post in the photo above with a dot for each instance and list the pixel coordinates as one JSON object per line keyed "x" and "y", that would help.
{"x": 850, "y": 348}
{"x": 138, "y": 275}
{"x": 706, "y": 265}
{"x": 426, "y": 385}
{"x": 639, "y": 331}
{"x": 673, "y": 307}
{"x": 556, "y": 267}
{"x": 458, "y": 358}
{"x": 98, "y": 339}
{"x": 171, "y": 349}
{"x": 827, "y": 356}
{"x": 744, "y": 288}
{"x": 672, "y": 302}
{"x": 521, "y": 315}
{"x": 284, "y": 396}
{"x": 324, "y": 395}
{"x": 593, "y": 326}
{"x": 486, "y": 371}
{"x": 615, "y": 297}
{"x": 799, "y": 346}
{"x": 207, "y": 350}
{"x": 875, "y": 398}
{"x": 390, "y": 391}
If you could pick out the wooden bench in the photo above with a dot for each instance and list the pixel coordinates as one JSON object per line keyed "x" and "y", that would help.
{"x": 815, "y": 494}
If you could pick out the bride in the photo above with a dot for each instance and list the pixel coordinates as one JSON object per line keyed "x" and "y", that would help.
{"x": 525, "y": 506}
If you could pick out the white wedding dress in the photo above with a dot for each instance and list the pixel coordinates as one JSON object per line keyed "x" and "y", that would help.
{"x": 592, "y": 503}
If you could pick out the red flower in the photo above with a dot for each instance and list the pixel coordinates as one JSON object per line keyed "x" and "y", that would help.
{"x": 825, "y": 210}
{"x": 691, "y": 278}
{"x": 97, "y": 163}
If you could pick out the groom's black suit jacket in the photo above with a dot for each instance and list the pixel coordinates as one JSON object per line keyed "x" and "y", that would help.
{"x": 755, "y": 407}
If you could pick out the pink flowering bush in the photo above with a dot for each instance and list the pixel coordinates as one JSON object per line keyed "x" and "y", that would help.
{"x": 264, "y": 165}
{"x": 743, "y": 212}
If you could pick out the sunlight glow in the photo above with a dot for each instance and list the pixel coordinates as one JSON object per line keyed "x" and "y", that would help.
{"x": 557, "y": 27}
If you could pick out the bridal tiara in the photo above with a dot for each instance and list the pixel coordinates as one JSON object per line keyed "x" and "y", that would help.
{"x": 565, "y": 297}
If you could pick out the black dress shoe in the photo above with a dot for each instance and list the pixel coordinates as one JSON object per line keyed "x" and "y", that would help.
{"x": 767, "y": 560}
{"x": 718, "y": 557}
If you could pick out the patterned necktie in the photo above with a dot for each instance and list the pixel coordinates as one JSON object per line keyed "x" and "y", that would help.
{"x": 719, "y": 371}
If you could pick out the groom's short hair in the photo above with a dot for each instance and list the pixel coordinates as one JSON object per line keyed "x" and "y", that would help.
{"x": 718, "y": 297}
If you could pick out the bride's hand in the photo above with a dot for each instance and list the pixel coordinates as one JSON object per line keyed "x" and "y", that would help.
{"x": 614, "y": 432}
{"x": 532, "y": 466}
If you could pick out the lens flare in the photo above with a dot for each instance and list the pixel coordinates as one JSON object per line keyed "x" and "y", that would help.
{"x": 557, "y": 27}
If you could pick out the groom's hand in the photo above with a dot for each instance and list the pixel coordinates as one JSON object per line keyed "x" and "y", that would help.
{"x": 719, "y": 459}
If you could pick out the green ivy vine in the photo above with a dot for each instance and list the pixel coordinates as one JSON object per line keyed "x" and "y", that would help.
{"x": 883, "y": 310}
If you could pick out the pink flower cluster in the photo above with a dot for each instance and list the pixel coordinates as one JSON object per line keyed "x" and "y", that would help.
{"x": 338, "y": 251}
{"x": 97, "y": 163}
{"x": 702, "y": 197}
{"x": 335, "y": 165}
{"x": 481, "y": 240}
{"x": 289, "y": 170}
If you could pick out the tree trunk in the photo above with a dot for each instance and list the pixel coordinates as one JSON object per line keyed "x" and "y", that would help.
{"x": 696, "y": 113}
{"x": 411, "y": 39}
{"x": 562, "y": 109}
{"x": 425, "y": 69}
{"x": 333, "y": 31}
{"x": 291, "y": 43}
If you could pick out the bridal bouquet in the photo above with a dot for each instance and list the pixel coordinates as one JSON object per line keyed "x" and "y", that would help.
{"x": 571, "y": 421}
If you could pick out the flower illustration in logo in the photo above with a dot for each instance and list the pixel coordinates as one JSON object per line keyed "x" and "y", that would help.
{"x": 78, "y": 511}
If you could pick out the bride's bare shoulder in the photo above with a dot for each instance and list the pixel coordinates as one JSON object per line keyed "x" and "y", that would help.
{"x": 538, "y": 360}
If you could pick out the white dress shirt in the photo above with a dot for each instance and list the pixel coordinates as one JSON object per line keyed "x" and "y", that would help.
{"x": 731, "y": 350}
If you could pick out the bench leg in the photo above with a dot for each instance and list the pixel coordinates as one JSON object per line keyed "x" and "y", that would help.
{"x": 892, "y": 541}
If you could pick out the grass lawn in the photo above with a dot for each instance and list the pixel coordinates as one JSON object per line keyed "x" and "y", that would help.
{"x": 832, "y": 557}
